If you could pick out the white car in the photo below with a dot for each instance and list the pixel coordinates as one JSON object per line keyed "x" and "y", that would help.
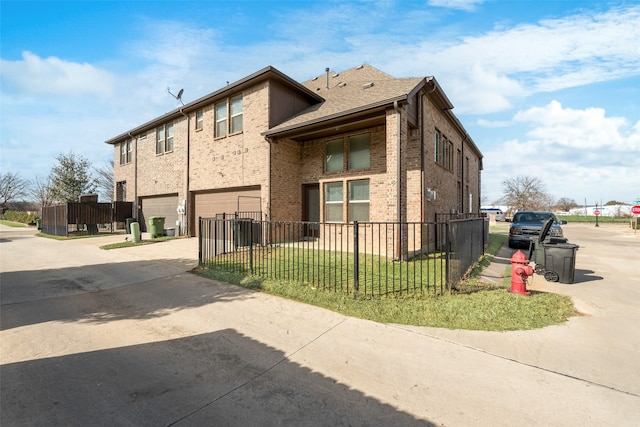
{"x": 497, "y": 211}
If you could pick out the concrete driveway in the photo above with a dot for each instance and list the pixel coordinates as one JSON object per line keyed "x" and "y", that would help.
{"x": 129, "y": 337}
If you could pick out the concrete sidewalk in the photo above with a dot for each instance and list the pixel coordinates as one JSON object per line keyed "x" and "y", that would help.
{"x": 171, "y": 348}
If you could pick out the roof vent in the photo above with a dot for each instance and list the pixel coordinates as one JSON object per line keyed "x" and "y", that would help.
{"x": 367, "y": 85}
{"x": 359, "y": 67}
{"x": 314, "y": 79}
{"x": 336, "y": 75}
{"x": 342, "y": 84}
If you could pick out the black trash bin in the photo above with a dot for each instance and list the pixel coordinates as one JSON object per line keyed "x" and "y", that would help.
{"x": 537, "y": 249}
{"x": 560, "y": 262}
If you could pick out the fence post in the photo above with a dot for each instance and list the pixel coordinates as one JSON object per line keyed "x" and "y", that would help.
{"x": 251, "y": 246}
{"x": 356, "y": 260}
{"x": 199, "y": 241}
{"x": 447, "y": 265}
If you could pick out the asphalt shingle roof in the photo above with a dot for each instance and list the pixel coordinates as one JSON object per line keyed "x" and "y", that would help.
{"x": 349, "y": 91}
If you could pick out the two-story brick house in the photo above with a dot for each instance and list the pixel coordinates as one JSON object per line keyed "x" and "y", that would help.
{"x": 356, "y": 145}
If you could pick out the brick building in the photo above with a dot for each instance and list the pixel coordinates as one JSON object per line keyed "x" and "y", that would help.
{"x": 355, "y": 145}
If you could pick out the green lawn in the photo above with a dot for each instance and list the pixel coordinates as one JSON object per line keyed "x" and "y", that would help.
{"x": 12, "y": 223}
{"x": 472, "y": 305}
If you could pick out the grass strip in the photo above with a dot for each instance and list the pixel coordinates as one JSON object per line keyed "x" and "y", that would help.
{"x": 473, "y": 305}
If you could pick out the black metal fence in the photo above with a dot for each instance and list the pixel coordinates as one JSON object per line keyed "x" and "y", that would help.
{"x": 372, "y": 258}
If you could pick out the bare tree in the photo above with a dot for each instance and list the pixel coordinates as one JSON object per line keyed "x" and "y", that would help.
{"x": 12, "y": 187}
{"x": 104, "y": 181}
{"x": 70, "y": 178}
{"x": 565, "y": 204}
{"x": 525, "y": 193}
{"x": 40, "y": 191}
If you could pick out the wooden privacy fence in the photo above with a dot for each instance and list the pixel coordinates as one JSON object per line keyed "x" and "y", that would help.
{"x": 83, "y": 218}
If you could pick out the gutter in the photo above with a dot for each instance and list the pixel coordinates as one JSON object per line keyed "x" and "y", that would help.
{"x": 135, "y": 178}
{"x": 396, "y": 108}
{"x": 187, "y": 213}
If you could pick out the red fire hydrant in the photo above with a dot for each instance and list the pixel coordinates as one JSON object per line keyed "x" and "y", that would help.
{"x": 520, "y": 270}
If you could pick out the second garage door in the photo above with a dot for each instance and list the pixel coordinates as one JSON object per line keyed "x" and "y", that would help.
{"x": 210, "y": 204}
{"x": 165, "y": 206}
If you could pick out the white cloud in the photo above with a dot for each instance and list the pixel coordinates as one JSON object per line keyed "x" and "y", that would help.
{"x": 493, "y": 123}
{"x": 580, "y": 129}
{"x": 576, "y": 153}
{"x": 550, "y": 55}
{"x": 35, "y": 76}
{"x": 467, "y": 5}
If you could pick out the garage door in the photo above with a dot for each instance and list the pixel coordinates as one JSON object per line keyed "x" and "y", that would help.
{"x": 210, "y": 204}
{"x": 165, "y": 206}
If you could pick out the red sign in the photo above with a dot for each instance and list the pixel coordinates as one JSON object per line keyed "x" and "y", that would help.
{"x": 635, "y": 210}
{"x": 596, "y": 212}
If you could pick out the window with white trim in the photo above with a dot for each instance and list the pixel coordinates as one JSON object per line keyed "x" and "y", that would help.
{"x": 235, "y": 106}
{"x": 221, "y": 119}
{"x": 164, "y": 139}
{"x": 358, "y": 200}
{"x": 199, "y": 120}
{"x": 126, "y": 151}
{"x": 160, "y": 140}
{"x": 333, "y": 201}
{"x": 229, "y": 116}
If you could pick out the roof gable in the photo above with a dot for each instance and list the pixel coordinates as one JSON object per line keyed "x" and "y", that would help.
{"x": 355, "y": 90}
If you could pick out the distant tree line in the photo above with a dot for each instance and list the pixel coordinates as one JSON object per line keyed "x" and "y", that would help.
{"x": 71, "y": 176}
{"x": 526, "y": 193}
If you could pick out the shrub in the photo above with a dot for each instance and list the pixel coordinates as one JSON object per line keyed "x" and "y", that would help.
{"x": 23, "y": 217}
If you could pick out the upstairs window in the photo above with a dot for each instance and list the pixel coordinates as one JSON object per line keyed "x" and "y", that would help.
{"x": 126, "y": 151}
{"x": 164, "y": 139}
{"x": 358, "y": 149}
{"x": 359, "y": 152}
{"x": 199, "y": 120}
{"x": 334, "y": 156}
{"x": 221, "y": 119}
{"x": 160, "y": 140}
{"x": 229, "y": 116}
{"x": 236, "y": 114}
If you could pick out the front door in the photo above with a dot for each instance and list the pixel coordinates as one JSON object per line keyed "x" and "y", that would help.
{"x": 311, "y": 208}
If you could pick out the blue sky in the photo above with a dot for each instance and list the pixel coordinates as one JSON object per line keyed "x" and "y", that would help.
{"x": 545, "y": 88}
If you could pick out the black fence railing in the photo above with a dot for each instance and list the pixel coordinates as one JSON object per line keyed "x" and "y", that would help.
{"x": 372, "y": 258}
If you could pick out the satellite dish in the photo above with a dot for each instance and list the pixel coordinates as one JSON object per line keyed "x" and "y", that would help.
{"x": 178, "y": 97}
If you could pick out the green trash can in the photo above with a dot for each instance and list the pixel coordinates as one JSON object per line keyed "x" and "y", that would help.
{"x": 156, "y": 226}
{"x": 39, "y": 223}
{"x": 135, "y": 232}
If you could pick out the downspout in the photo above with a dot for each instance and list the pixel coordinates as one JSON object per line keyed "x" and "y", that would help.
{"x": 463, "y": 181}
{"x": 268, "y": 213}
{"x": 422, "y": 159}
{"x": 135, "y": 179}
{"x": 186, "y": 195}
{"x": 396, "y": 108}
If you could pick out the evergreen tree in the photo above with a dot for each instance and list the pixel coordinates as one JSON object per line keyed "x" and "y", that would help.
{"x": 70, "y": 178}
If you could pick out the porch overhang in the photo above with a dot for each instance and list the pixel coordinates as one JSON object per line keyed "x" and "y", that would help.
{"x": 345, "y": 121}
